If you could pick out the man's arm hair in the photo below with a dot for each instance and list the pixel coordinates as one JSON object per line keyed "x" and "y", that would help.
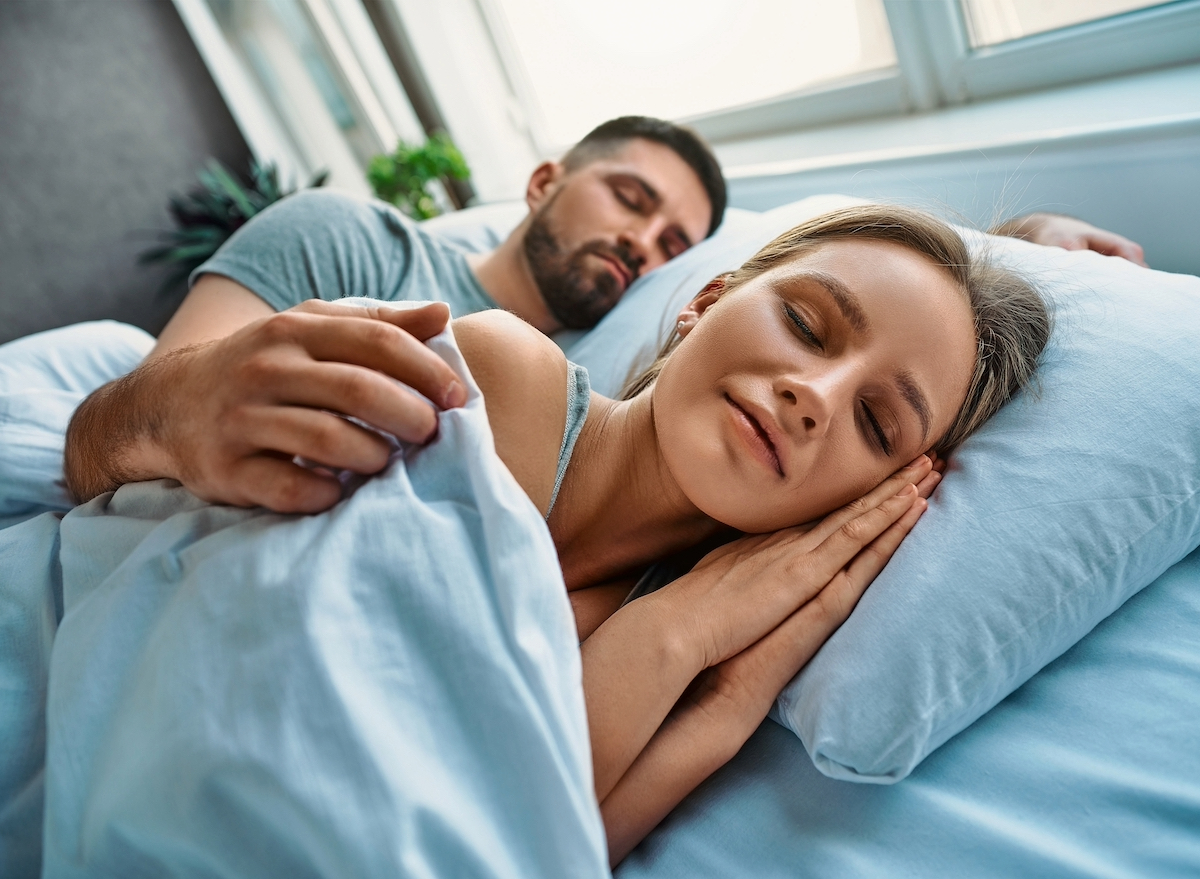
{"x": 110, "y": 440}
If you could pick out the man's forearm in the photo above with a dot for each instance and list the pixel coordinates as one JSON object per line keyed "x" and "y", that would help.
{"x": 110, "y": 438}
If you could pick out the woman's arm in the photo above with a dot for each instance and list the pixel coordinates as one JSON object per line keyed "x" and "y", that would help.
{"x": 639, "y": 662}
{"x": 723, "y": 706}
{"x": 726, "y": 704}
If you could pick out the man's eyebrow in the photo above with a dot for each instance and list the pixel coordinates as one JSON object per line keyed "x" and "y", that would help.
{"x": 652, "y": 194}
{"x": 650, "y": 191}
{"x": 912, "y": 395}
{"x": 843, "y": 297}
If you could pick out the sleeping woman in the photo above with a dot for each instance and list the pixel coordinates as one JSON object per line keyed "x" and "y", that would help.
{"x": 826, "y": 374}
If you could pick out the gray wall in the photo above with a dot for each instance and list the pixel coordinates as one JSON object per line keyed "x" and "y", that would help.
{"x": 105, "y": 109}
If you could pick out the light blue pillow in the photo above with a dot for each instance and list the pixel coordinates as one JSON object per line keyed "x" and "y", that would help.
{"x": 43, "y": 378}
{"x": 1056, "y": 512}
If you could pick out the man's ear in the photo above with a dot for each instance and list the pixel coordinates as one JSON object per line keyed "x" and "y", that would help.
{"x": 705, "y": 299}
{"x": 543, "y": 183}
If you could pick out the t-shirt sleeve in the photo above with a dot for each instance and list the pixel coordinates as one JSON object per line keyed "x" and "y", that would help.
{"x": 316, "y": 245}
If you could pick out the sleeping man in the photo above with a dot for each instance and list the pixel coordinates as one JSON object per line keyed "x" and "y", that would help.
{"x": 259, "y": 359}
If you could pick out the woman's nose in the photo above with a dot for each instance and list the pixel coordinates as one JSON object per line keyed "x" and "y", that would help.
{"x": 809, "y": 402}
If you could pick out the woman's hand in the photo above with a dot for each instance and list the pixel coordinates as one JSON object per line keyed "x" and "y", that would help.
{"x": 727, "y": 701}
{"x": 738, "y": 692}
{"x": 745, "y": 589}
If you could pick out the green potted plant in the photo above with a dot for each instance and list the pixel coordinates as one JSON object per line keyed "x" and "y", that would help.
{"x": 206, "y": 215}
{"x": 402, "y": 177}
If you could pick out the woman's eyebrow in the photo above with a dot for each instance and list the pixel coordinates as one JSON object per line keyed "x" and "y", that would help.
{"x": 845, "y": 299}
{"x": 910, "y": 392}
{"x": 851, "y": 308}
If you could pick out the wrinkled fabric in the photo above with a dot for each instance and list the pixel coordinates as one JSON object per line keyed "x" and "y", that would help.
{"x": 390, "y": 688}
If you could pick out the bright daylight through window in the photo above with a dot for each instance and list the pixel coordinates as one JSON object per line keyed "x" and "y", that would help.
{"x": 998, "y": 21}
{"x": 579, "y": 62}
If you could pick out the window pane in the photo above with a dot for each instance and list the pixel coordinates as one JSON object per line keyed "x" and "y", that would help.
{"x": 579, "y": 62}
{"x": 279, "y": 48}
{"x": 998, "y": 21}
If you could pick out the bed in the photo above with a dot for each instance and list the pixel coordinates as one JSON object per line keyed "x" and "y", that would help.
{"x": 1016, "y": 695}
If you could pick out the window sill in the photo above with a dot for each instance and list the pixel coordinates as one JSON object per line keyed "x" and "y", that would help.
{"x": 1167, "y": 99}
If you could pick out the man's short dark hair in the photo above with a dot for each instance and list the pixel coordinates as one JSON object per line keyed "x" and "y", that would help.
{"x": 607, "y": 138}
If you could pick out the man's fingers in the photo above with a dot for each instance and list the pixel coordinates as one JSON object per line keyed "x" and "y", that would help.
{"x": 1112, "y": 244}
{"x": 316, "y": 436}
{"x": 284, "y": 487}
{"x": 375, "y": 344}
{"x": 360, "y": 393}
{"x": 392, "y": 351}
{"x": 422, "y": 323}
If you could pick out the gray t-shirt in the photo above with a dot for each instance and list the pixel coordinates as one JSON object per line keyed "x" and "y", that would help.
{"x": 319, "y": 244}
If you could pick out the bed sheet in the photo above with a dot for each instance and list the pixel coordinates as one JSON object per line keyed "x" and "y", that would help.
{"x": 1091, "y": 769}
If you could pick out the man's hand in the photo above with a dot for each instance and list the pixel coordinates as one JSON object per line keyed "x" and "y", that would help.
{"x": 1055, "y": 230}
{"x": 227, "y": 417}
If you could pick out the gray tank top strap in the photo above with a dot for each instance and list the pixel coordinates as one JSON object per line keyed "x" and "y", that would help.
{"x": 579, "y": 393}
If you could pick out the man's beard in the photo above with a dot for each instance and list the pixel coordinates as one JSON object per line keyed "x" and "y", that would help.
{"x": 576, "y": 299}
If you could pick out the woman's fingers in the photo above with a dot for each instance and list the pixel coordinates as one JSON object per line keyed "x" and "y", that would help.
{"x": 758, "y": 673}
{"x": 911, "y": 474}
{"x": 836, "y": 550}
{"x": 867, "y": 565}
{"x": 926, "y": 486}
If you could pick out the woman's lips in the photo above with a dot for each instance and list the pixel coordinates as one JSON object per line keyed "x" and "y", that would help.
{"x": 756, "y": 437}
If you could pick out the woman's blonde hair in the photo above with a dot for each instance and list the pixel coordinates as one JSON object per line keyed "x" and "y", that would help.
{"x": 1012, "y": 323}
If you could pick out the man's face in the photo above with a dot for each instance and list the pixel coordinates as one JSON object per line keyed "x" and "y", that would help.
{"x": 597, "y": 229}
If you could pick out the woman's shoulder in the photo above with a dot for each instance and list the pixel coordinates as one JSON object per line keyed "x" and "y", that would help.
{"x": 523, "y": 377}
{"x": 499, "y": 347}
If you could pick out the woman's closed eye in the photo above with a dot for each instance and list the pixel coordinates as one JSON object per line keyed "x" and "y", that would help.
{"x": 871, "y": 426}
{"x": 801, "y": 326}
{"x": 875, "y": 431}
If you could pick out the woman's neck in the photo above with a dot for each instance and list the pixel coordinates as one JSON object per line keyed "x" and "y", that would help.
{"x": 619, "y": 508}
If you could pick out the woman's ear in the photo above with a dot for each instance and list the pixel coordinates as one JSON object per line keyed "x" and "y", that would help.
{"x": 705, "y": 299}
{"x": 543, "y": 183}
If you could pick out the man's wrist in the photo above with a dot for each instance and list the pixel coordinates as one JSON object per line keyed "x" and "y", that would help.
{"x": 112, "y": 437}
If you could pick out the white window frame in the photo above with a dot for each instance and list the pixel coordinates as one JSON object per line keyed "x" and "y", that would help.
{"x": 350, "y": 40}
{"x": 467, "y": 58}
{"x": 937, "y": 67}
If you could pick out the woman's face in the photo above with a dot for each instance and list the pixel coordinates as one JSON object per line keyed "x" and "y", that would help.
{"x": 804, "y": 388}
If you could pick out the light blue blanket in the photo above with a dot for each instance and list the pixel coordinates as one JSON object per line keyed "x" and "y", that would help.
{"x": 391, "y": 688}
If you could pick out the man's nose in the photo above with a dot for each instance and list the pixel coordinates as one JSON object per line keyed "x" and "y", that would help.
{"x": 641, "y": 242}
{"x": 809, "y": 401}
